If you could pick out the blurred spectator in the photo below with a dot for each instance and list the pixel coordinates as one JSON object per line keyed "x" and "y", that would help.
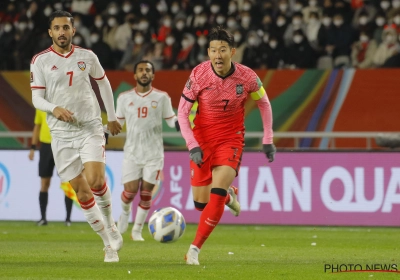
{"x": 274, "y": 54}
{"x": 23, "y": 44}
{"x": 340, "y": 38}
{"x": 312, "y": 30}
{"x": 364, "y": 22}
{"x": 281, "y": 26}
{"x": 364, "y": 15}
{"x": 79, "y": 41}
{"x": 123, "y": 34}
{"x": 170, "y": 51}
{"x": 102, "y": 50}
{"x": 313, "y": 6}
{"x": 127, "y": 8}
{"x": 147, "y": 30}
{"x": 199, "y": 51}
{"x": 380, "y": 21}
{"x": 343, "y": 8}
{"x": 82, "y": 7}
{"x": 245, "y": 23}
{"x": 215, "y": 8}
{"x": 11, "y": 14}
{"x": 155, "y": 55}
{"x": 300, "y": 54}
{"x": 393, "y": 10}
{"x": 240, "y": 44}
{"x": 135, "y": 52}
{"x": 388, "y": 47}
{"x": 182, "y": 59}
{"x": 233, "y": 10}
{"x": 251, "y": 54}
{"x": 231, "y": 24}
{"x": 385, "y": 6}
{"x": 165, "y": 28}
{"x": 176, "y": 10}
{"x": 82, "y": 30}
{"x": 7, "y": 43}
{"x": 179, "y": 29}
{"x": 297, "y": 23}
{"x": 396, "y": 21}
{"x": 283, "y": 9}
{"x": 108, "y": 32}
{"x": 363, "y": 51}
{"x": 98, "y": 24}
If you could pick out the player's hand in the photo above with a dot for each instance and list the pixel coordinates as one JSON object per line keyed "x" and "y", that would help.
{"x": 196, "y": 155}
{"x": 269, "y": 151}
{"x": 31, "y": 155}
{"x": 63, "y": 114}
{"x": 114, "y": 127}
{"x": 177, "y": 126}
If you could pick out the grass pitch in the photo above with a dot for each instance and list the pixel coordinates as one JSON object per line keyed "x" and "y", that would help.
{"x": 232, "y": 252}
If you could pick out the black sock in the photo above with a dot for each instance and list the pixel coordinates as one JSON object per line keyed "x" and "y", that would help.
{"x": 68, "y": 207}
{"x": 43, "y": 198}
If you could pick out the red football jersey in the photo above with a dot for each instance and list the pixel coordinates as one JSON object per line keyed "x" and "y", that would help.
{"x": 220, "y": 114}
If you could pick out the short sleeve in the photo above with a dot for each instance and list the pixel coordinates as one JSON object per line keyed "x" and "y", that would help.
{"x": 120, "y": 108}
{"x": 96, "y": 71}
{"x": 37, "y": 78}
{"x": 191, "y": 89}
{"x": 168, "y": 112}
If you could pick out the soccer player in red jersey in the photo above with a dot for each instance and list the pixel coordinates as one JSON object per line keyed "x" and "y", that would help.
{"x": 216, "y": 142}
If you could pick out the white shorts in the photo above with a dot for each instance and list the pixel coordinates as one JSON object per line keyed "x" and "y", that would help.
{"x": 69, "y": 156}
{"x": 149, "y": 172}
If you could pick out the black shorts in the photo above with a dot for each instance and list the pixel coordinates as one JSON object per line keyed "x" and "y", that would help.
{"x": 46, "y": 160}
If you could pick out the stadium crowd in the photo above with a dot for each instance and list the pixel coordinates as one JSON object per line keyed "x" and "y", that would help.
{"x": 172, "y": 34}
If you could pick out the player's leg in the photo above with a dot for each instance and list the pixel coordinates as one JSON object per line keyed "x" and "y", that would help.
{"x": 231, "y": 156}
{"x": 131, "y": 174}
{"x": 222, "y": 179}
{"x": 151, "y": 174}
{"x": 92, "y": 154}
{"x": 46, "y": 166}
{"x": 93, "y": 215}
{"x": 70, "y": 169}
{"x": 201, "y": 178}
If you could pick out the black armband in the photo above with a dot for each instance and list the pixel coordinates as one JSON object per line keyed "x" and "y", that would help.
{"x": 33, "y": 147}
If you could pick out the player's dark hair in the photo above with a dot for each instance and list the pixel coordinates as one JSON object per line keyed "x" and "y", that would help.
{"x": 220, "y": 34}
{"x": 57, "y": 14}
{"x": 143, "y": 61}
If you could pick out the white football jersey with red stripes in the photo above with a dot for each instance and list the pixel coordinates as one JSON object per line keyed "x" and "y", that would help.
{"x": 66, "y": 81}
{"x": 143, "y": 114}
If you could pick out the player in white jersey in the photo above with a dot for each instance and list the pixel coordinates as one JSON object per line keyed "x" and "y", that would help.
{"x": 61, "y": 87}
{"x": 143, "y": 108}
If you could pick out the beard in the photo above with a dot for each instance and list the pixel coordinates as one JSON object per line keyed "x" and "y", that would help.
{"x": 144, "y": 84}
{"x": 64, "y": 44}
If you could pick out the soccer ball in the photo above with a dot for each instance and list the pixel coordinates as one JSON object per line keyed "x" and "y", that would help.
{"x": 167, "y": 225}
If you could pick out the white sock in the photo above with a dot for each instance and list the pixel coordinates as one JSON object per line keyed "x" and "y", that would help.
{"x": 103, "y": 200}
{"x": 126, "y": 207}
{"x": 141, "y": 215}
{"x": 94, "y": 218}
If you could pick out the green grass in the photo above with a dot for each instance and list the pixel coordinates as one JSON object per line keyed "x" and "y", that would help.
{"x": 259, "y": 252}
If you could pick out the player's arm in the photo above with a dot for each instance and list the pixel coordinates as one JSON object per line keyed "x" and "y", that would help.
{"x": 38, "y": 87}
{"x": 99, "y": 75}
{"x": 169, "y": 115}
{"x": 264, "y": 105}
{"x": 188, "y": 97}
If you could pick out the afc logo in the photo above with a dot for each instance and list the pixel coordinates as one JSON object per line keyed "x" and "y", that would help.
{"x": 4, "y": 182}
